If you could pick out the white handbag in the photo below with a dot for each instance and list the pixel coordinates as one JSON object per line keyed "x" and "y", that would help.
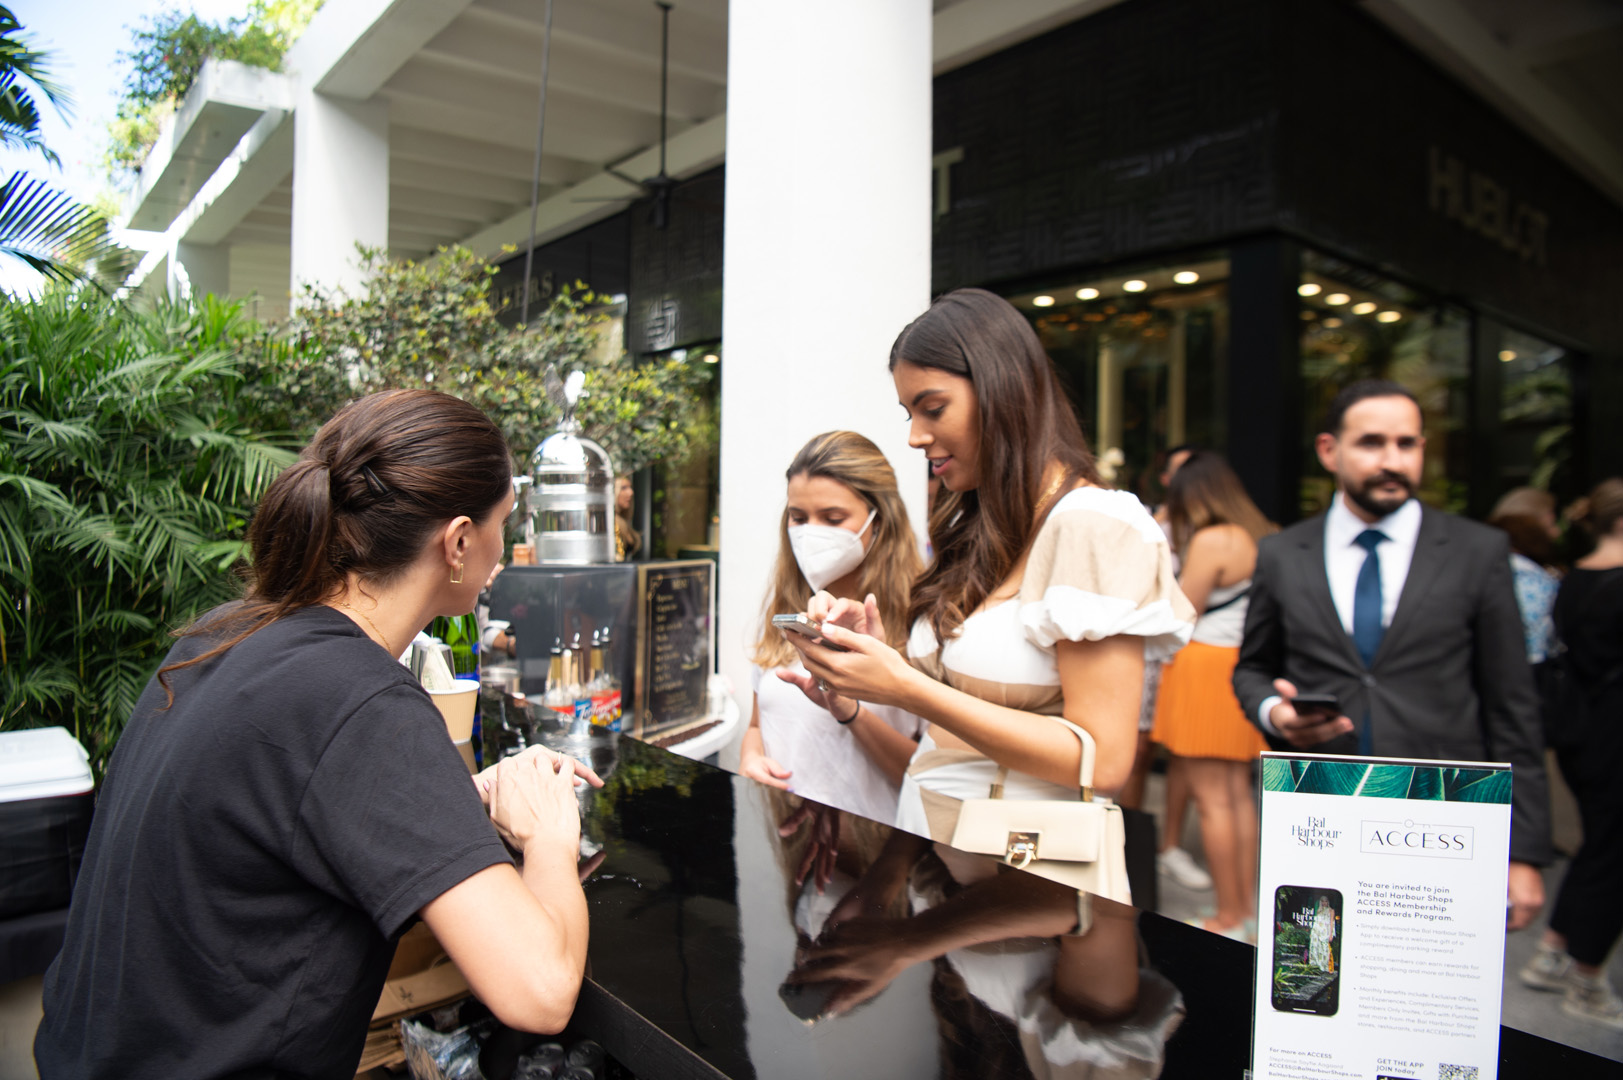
{"x": 1080, "y": 843}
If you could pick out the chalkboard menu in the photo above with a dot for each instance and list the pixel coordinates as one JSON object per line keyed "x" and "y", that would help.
{"x": 674, "y": 643}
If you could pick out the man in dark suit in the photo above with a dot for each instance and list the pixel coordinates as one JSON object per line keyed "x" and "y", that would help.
{"x": 1407, "y": 616}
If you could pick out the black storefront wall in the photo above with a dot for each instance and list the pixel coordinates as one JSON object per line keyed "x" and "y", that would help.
{"x": 1160, "y": 126}
{"x": 675, "y": 298}
{"x": 598, "y": 255}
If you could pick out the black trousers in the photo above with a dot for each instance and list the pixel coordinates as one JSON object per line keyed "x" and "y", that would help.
{"x": 1589, "y": 907}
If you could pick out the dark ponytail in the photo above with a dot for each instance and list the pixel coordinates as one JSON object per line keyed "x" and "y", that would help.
{"x": 365, "y": 497}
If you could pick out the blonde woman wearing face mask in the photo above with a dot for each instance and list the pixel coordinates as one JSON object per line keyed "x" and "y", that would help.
{"x": 844, "y": 530}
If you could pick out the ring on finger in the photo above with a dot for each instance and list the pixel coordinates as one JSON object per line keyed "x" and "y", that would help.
{"x": 823, "y": 686}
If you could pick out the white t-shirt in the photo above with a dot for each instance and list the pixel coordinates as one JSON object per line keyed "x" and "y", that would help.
{"x": 828, "y": 764}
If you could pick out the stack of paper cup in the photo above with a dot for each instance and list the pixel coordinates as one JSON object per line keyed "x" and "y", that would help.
{"x": 457, "y": 705}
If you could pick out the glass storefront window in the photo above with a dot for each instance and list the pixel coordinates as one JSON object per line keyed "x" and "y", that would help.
{"x": 1536, "y": 444}
{"x": 1356, "y": 325}
{"x": 1144, "y": 360}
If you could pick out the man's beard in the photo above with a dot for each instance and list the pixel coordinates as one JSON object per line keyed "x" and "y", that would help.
{"x": 1378, "y": 506}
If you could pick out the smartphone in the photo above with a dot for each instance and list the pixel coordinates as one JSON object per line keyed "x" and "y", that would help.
{"x": 1307, "y": 950}
{"x": 808, "y": 1002}
{"x": 1316, "y": 704}
{"x": 802, "y": 624}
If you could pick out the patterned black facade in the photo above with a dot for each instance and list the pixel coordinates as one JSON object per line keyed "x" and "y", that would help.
{"x": 1150, "y": 126}
{"x": 676, "y": 270}
{"x": 1165, "y": 125}
{"x": 597, "y": 255}
{"x": 1180, "y": 126}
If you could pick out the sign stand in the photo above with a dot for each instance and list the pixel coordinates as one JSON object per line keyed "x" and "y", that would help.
{"x": 1381, "y": 918}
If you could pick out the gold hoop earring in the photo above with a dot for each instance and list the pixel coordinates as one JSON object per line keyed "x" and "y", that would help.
{"x": 456, "y": 579}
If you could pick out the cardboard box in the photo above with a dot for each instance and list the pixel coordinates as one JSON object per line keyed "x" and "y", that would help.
{"x": 421, "y": 977}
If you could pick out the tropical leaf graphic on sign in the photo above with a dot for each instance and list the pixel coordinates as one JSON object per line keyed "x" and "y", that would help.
{"x": 1331, "y": 778}
{"x": 1418, "y": 782}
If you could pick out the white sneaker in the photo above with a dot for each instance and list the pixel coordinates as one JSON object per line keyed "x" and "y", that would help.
{"x": 1180, "y": 866}
{"x": 1548, "y": 969}
{"x": 1594, "y": 1000}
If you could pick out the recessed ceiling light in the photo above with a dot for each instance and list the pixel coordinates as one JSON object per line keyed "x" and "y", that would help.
{"x": 1336, "y": 299}
{"x": 1308, "y": 288}
{"x": 1363, "y": 309}
{"x": 1090, "y": 293}
{"x": 1043, "y": 301}
{"x": 1134, "y": 286}
{"x": 1186, "y": 277}
{"x": 1333, "y": 323}
{"x": 711, "y": 358}
{"x": 1507, "y": 355}
{"x": 1388, "y": 316}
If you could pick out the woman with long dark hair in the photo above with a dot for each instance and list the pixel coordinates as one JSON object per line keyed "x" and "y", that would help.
{"x": 1047, "y": 592}
{"x": 1215, "y": 529}
{"x": 844, "y": 530}
{"x": 1587, "y": 918}
{"x": 284, "y": 799}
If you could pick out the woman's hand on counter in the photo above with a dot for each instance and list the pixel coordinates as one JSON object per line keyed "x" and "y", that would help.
{"x": 765, "y": 770}
{"x": 532, "y": 800}
{"x": 583, "y": 772}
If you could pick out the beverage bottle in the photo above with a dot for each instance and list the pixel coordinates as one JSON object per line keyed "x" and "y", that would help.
{"x": 606, "y": 699}
{"x": 580, "y": 688}
{"x": 557, "y": 697}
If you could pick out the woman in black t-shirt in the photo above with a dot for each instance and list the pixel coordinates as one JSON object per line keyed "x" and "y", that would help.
{"x": 284, "y": 799}
{"x": 1587, "y": 918}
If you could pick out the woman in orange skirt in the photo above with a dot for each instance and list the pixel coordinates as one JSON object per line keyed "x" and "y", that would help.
{"x": 1215, "y": 529}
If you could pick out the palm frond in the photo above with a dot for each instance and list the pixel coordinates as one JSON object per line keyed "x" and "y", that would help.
{"x": 49, "y": 230}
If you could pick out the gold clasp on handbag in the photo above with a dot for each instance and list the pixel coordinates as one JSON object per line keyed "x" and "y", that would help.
{"x": 1022, "y": 847}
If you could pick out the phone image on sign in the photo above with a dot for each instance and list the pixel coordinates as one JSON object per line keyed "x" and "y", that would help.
{"x": 1307, "y": 950}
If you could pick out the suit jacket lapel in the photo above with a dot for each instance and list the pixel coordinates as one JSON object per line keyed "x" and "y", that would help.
{"x": 1318, "y": 589}
{"x": 1430, "y": 555}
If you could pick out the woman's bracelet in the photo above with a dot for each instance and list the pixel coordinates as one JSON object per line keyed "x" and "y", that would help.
{"x": 851, "y": 719}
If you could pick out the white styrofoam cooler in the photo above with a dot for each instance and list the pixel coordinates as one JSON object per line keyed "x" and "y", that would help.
{"x": 42, "y": 763}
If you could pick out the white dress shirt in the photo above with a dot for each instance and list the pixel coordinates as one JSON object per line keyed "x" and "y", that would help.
{"x": 1344, "y": 559}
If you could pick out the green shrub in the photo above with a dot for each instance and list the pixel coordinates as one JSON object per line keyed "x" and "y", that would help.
{"x": 127, "y": 469}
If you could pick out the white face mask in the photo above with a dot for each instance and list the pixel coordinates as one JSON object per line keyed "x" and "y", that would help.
{"x": 826, "y": 553}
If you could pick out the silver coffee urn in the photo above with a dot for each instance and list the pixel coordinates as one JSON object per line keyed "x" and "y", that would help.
{"x": 570, "y": 500}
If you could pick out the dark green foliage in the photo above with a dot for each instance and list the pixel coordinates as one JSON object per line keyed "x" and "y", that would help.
{"x": 127, "y": 469}
{"x": 432, "y": 324}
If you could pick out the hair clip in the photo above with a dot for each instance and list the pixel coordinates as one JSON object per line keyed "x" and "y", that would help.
{"x": 373, "y": 484}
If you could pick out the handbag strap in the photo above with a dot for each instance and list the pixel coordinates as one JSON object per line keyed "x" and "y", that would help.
{"x": 1084, "y": 771}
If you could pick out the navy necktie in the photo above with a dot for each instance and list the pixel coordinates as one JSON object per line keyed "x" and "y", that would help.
{"x": 1367, "y": 628}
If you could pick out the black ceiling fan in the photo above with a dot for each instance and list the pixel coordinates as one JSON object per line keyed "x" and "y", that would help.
{"x": 660, "y": 186}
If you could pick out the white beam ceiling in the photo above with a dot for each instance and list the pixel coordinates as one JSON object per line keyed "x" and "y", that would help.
{"x": 462, "y": 79}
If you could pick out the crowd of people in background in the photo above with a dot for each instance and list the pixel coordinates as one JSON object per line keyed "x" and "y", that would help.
{"x": 1181, "y": 641}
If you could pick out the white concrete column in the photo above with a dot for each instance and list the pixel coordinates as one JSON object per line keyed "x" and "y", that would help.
{"x": 198, "y": 270}
{"x": 827, "y": 258}
{"x": 340, "y": 187}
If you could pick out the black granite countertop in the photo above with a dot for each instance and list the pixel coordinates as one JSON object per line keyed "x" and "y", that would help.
{"x": 697, "y": 926}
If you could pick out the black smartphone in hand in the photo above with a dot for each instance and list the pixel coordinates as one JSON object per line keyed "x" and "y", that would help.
{"x": 1324, "y": 705}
